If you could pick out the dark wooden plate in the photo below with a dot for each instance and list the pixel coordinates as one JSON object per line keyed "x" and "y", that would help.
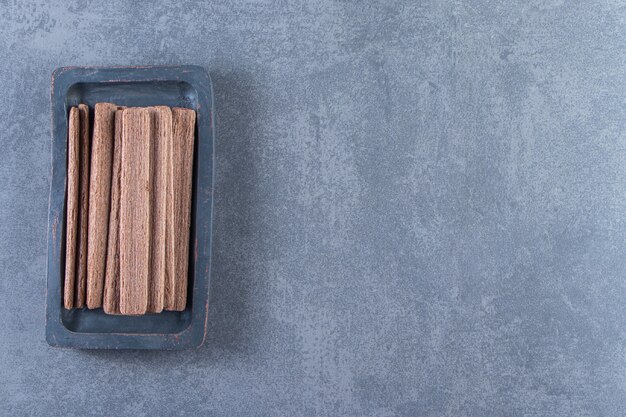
{"x": 180, "y": 86}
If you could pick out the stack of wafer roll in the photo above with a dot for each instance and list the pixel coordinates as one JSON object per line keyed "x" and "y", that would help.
{"x": 128, "y": 208}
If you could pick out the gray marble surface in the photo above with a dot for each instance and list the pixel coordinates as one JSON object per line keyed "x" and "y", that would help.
{"x": 420, "y": 208}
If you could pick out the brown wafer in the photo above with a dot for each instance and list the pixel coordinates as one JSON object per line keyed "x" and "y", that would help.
{"x": 161, "y": 121}
{"x": 183, "y": 127}
{"x": 99, "y": 200}
{"x": 111, "y": 297}
{"x": 73, "y": 179}
{"x": 81, "y": 280}
{"x": 135, "y": 228}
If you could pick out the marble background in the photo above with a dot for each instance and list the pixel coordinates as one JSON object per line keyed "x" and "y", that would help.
{"x": 420, "y": 208}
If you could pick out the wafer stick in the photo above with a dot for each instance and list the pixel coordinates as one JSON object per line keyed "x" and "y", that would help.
{"x": 73, "y": 178}
{"x": 161, "y": 120}
{"x": 81, "y": 281}
{"x": 183, "y": 125}
{"x": 135, "y": 186}
{"x": 111, "y": 298}
{"x": 99, "y": 200}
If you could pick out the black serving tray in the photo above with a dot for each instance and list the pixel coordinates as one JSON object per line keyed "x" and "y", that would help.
{"x": 180, "y": 86}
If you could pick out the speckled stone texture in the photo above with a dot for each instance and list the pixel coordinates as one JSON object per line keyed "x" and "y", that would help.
{"x": 420, "y": 208}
